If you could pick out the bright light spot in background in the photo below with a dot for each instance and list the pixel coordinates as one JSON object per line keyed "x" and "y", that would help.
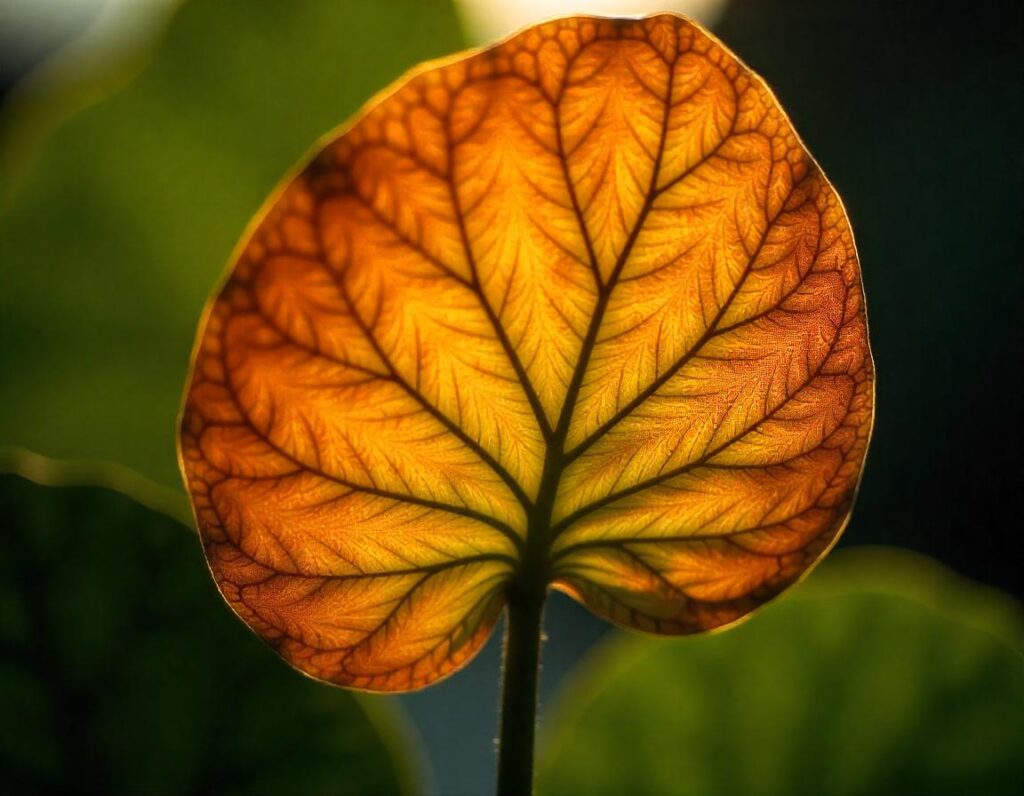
{"x": 104, "y": 24}
{"x": 24, "y": 21}
{"x": 485, "y": 20}
{"x": 111, "y": 26}
{"x": 65, "y": 55}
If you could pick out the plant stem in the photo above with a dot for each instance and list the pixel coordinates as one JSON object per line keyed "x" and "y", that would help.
{"x": 519, "y": 692}
{"x": 524, "y": 623}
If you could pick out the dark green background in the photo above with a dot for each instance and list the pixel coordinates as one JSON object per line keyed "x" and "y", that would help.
{"x": 122, "y": 674}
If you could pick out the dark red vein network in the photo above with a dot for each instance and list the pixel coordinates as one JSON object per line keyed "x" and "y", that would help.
{"x": 583, "y": 295}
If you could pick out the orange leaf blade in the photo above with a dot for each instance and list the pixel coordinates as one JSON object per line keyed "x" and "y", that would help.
{"x": 594, "y": 262}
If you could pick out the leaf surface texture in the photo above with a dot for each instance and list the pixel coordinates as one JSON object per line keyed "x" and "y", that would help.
{"x": 583, "y": 295}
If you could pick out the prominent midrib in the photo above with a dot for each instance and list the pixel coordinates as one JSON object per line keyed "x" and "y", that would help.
{"x": 539, "y": 532}
{"x": 605, "y": 293}
{"x": 534, "y": 573}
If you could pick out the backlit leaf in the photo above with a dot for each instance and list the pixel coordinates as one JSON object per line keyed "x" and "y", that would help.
{"x": 581, "y": 300}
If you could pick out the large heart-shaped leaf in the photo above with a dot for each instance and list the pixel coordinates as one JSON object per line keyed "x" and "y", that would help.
{"x": 580, "y": 305}
{"x": 883, "y": 674}
{"x": 130, "y": 209}
{"x": 122, "y": 672}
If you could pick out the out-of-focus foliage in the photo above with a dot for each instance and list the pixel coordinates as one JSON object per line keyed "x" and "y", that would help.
{"x": 122, "y": 672}
{"x": 882, "y": 674}
{"x": 127, "y": 216}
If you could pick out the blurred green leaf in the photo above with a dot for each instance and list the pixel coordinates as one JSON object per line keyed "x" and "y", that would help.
{"x": 883, "y": 674}
{"x": 130, "y": 211}
{"x": 124, "y": 672}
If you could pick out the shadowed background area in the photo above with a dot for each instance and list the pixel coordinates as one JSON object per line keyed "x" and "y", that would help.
{"x": 914, "y": 114}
